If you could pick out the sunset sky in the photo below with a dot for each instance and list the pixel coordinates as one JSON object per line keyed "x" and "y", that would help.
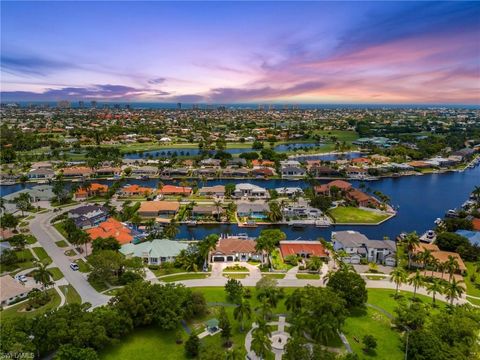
{"x": 302, "y": 52}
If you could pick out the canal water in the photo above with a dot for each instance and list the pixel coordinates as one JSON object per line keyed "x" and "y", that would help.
{"x": 419, "y": 200}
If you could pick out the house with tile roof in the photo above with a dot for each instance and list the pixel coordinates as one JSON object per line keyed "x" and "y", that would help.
{"x": 235, "y": 249}
{"x": 116, "y": 229}
{"x": 135, "y": 190}
{"x": 175, "y": 190}
{"x": 153, "y": 209}
{"x": 95, "y": 189}
{"x": 304, "y": 249}
{"x": 155, "y": 252}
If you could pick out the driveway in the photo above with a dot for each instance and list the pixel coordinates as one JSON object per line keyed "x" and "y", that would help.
{"x": 47, "y": 235}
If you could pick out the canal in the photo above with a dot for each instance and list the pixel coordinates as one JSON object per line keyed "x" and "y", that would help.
{"x": 419, "y": 199}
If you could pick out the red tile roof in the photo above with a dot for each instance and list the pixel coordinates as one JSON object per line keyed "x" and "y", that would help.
{"x": 112, "y": 228}
{"x": 312, "y": 248}
{"x": 233, "y": 246}
{"x": 172, "y": 189}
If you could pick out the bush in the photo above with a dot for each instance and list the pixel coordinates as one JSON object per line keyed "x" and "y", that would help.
{"x": 291, "y": 259}
{"x": 192, "y": 346}
{"x": 129, "y": 277}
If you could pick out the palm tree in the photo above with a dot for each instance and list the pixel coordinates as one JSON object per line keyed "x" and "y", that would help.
{"x": 411, "y": 242}
{"x": 453, "y": 290}
{"x": 425, "y": 257}
{"x": 170, "y": 230}
{"x": 399, "y": 276}
{"x": 206, "y": 245}
{"x": 42, "y": 275}
{"x": 451, "y": 265}
{"x": 275, "y": 214}
{"x": 416, "y": 281}
{"x": 242, "y": 311}
{"x": 315, "y": 263}
{"x": 261, "y": 344}
{"x": 294, "y": 302}
{"x": 435, "y": 287}
{"x": 23, "y": 202}
{"x": 435, "y": 263}
{"x": 218, "y": 206}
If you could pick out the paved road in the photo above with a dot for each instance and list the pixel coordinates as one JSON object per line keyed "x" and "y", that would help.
{"x": 47, "y": 235}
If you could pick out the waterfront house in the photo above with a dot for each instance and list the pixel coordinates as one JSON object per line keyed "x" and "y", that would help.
{"x": 210, "y": 162}
{"x": 206, "y": 210}
{"x": 245, "y": 190}
{"x": 155, "y": 252}
{"x": 153, "y": 209}
{"x": 94, "y": 189}
{"x": 235, "y": 249}
{"x": 37, "y": 193}
{"x": 263, "y": 163}
{"x": 301, "y": 209}
{"x": 303, "y": 249}
{"x": 205, "y": 172}
{"x": 135, "y": 190}
{"x": 356, "y": 172}
{"x": 88, "y": 216}
{"x": 285, "y": 163}
{"x": 144, "y": 171}
{"x": 217, "y": 191}
{"x": 41, "y": 174}
{"x": 175, "y": 190}
{"x": 12, "y": 290}
{"x": 316, "y": 169}
{"x": 108, "y": 171}
{"x": 114, "y": 228}
{"x": 76, "y": 171}
{"x": 237, "y": 162}
{"x": 263, "y": 172}
{"x": 289, "y": 191}
{"x": 254, "y": 210}
{"x": 175, "y": 172}
{"x": 292, "y": 172}
{"x": 358, "y": 246}
{"x": 440, "y": 255}
{"x": 232, "y": 172}
{"x": 325, "y": 189}
{"x": 362, "y": 199}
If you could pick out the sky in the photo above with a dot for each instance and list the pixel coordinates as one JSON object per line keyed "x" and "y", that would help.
{"x": 241, "y": 52}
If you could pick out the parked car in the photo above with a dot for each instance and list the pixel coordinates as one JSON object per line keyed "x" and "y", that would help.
{"x": 21, "y": 278}
{"x": 74, "y": 267}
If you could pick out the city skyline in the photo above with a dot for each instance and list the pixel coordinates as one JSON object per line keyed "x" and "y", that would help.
{"x": 241, "y": 52}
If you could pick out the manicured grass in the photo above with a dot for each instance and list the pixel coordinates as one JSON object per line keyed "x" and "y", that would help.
{"x": 30, "y": 239}
{"x": 59, "y": 227}
{"x": 71, "y": 294}
{"x": 373, "y": 322}
{"x": 56, "y": 273}
{"x": 19, "y": 309}
{"x": 42, "y": 255}
{"x": 82, "y": 265}
{"x": 473, "y": 288}
{"x": 99, "y": 286}
{"x": 147, "y": 343}
{"x": 235, "y": 276}
{"x": 61, "y": 243}
{"x": 70, "y": 252}
{"x": 308, "y": 276}
{"x": 168, "y": 271}
{"x": 274, "y": 275}
{"x": 385, "y": 299}
{"x": 181, "y": 277}
{"x": 474, "y": 301}
{"x": 355, "y": 215}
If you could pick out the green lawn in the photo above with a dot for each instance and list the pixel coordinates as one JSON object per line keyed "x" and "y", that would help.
{"x": 473, "y": 288}
{"x": 61, "y": 243}
{"x": 83, "y": 266}
{"x": 19, "y": 309}
{"x": 355, "y": 215}
{"x": 277, "y": 261}
{"x": 59, "y": 227}
{"x": 56, "y": 273}
{"x": 71, "y": 294}
{"x": 385, "y": 299}
{"x": 168, "y": 271}
{"x": 42, "y": 255}
{"x": 30, "y": 239}
{"x": 308, "y": 276}
{"x": 181, "y": 277}
{"x": 99, "y": 286}
{"x": 147, "y": 343}
{"x": 373, "y": 322}
{"x": 25, "y": 261}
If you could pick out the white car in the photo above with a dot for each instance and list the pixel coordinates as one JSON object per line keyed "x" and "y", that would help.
{"x": 21, "y": 278}
{"x": 74, "y": 267}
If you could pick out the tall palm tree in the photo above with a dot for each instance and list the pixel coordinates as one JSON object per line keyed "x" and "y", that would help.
{"x": 293, "y": 303}
{"x": 416, "y": 281}
{"x": 218, "y": 206}
{"x": 453, "y": 290}
{"x": 42, "y": 275}
{"x": 425, "y": 257}
{"x": 435, "y": 287}
{"x": 399, "y": 276}
{"x": 242, "y": 311}
{"x": 435, "y": 263}
{"x": 261, "y": 344}
{"x": 275, "y": 214}
{"x": 411, "y": 242}
{"x": 206, "y": 245}
{"x": 452, "y": 266}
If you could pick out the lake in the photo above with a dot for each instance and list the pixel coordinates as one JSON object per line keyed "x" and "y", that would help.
{"x": 169, "y": 152}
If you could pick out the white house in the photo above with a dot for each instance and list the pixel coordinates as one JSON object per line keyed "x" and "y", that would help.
{"x": 358, "y": 246}
{"x": 250, "y": 191}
